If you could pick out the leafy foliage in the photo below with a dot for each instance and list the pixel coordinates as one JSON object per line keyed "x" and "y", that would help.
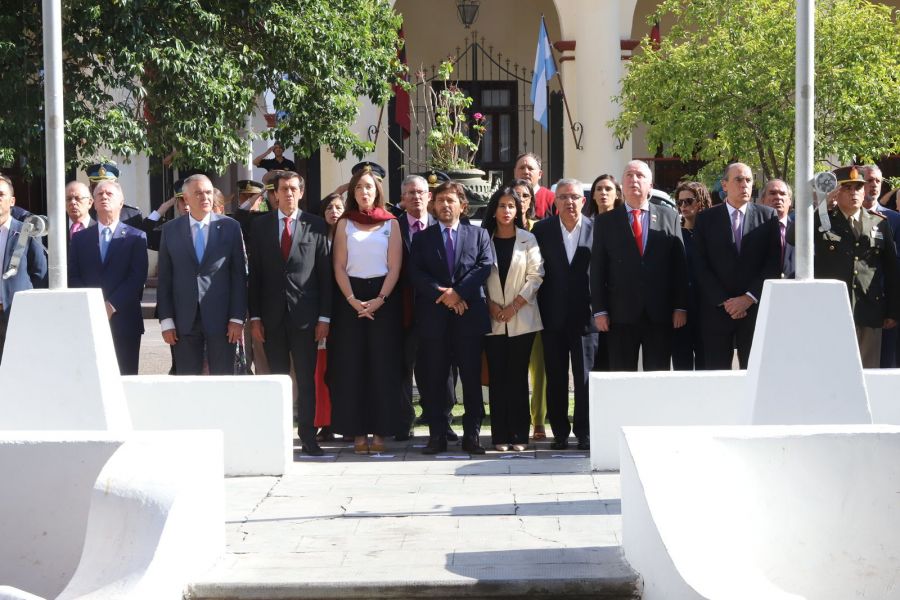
{"x": 154, "y": 76}
{"x": 720, "y": 85}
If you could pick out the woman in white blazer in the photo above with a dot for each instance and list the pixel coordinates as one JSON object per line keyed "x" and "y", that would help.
{"x": 512, "y": 287}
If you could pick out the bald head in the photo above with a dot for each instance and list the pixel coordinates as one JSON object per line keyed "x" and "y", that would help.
{"x": 738, "y": 184}
{"x": 78, "y": 201}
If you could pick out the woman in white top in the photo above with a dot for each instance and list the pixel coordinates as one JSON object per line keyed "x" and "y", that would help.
{"x": 512, "y": 287}
{"x": 365, "y": 341}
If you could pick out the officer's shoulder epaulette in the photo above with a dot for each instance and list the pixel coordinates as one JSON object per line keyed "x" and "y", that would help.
{"x": 876, "y": 214}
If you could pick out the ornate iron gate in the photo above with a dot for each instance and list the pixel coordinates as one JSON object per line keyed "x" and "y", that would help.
{"x": 501, "y": 90}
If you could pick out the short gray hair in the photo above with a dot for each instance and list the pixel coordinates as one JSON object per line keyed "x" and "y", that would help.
{"x": 765, "y": 188}
{"x": 412, "y": 179}
{"x": 107, "y": 183}
{"x": 194, "y": 179}
{"x": 572, "y": 182}
{"x": 867, "y": 169}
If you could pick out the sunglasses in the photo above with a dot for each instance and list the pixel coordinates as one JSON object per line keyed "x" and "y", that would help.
{"x": 685, "y": 201}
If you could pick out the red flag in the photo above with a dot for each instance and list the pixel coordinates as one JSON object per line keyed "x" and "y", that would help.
{"x": 401, "y": 103}
{"x": 655, "y": 36}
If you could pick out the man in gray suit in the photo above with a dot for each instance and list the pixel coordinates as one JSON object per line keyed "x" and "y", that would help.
{"x": 202, "y": 289}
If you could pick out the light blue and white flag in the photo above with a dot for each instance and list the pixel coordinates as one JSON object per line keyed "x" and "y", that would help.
{"x": 544, "y": 69}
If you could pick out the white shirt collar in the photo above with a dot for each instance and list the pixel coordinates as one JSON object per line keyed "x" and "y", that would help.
{"x": 205, "y": 221}
{"x": 5, "y": 226}
{"x": 453, "y": 227}
{"x": 293, "y": 216}
{"x": 574, "y": 229}
{"x": 112, "y": 226}
{"x": 742, "y": 210}
{"x": 645, "y": 206}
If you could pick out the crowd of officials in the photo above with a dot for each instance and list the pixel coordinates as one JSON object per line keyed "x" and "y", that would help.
{"x": 358, "y": 297}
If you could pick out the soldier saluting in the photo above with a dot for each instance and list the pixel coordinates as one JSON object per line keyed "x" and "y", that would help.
{"x": 859, "y": 250}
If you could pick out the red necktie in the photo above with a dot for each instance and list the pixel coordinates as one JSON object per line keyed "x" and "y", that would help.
{"x": 286, "y": 239}
{"x": 638, "y": 230}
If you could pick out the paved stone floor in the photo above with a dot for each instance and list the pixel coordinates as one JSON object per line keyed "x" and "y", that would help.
{"x": 403, "y": 525}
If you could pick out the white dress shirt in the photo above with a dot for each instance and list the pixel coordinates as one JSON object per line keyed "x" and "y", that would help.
{"x": 570, "y": 238}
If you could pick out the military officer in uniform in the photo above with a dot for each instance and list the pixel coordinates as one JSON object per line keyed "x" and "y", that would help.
{"x": 858, "y": 249}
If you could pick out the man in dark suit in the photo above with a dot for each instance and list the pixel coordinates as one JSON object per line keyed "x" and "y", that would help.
{"x": 32, "y": 271}
{"x": 737, "y": 247}
{"x": 777, "y": 195}
{"x": 78, "y": 205}
{"x": 564, "y": 300}
{"x": 413, "y": 219}
{"x": 202, "y": 289}
{"x": 112, "y": 256}
{"x": 109, "y": 171}
{"x": 449, "y": 264}
{"x": 290, "y": 294}
{"x": 639, "y": 281}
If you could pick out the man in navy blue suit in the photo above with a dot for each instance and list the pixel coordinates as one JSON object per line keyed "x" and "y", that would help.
{"x": 32, "y": 272}
{"x": 449, "y": 264}
{"x": 202, "y": 289}
{"x": 112, "y": 256}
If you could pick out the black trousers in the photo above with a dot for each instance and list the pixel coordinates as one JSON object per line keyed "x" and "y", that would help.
{"x": 626, "y": 340}
{"x": 285, "y": 342}
{"x": 407, "y": 414}
{"x": 365, "y": 358}
{"x": 687, "y": 346}
{"x": 190, "y": 349}
{"x": 508, "y": 359}
{"x": 434, "y": 359}
{"x": 559, "y": 348}
{"x": 720, "y": 338}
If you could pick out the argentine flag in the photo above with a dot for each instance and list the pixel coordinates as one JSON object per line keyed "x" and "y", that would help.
{"x": 544, "y": 69}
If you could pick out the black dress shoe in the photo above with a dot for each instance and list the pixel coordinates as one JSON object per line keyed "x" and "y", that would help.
{"x": 472, "y": 445}
{"x": 404, "y": 437}
{"x": 435, "y": 445}
{"x": 559, "y": 444}
{"x": 584, "y": 443}
{"x": 451, "y": 435}
{"x": 313, "y": 449}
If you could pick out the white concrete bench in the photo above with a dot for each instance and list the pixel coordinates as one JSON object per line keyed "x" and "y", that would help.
{"x": 107, "y": 515}
{"x": 744, "y": 513}
{"x": 695, "y": 398}
{"x": 254, "y": 413}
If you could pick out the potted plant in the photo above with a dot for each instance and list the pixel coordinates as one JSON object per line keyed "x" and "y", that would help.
{"x": 452, "y": 139}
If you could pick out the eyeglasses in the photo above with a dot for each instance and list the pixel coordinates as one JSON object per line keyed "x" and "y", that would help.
{"x": 685, "y": 201}
{"x": 569, "y": 197}
{"x": 78, "y": 198}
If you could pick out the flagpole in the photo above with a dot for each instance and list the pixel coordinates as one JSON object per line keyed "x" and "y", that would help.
{"x": 54, "y": 121}
{"x": 576, "y": 127}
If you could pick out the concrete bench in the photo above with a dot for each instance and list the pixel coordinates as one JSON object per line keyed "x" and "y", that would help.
{"x": 109, "y": 515}
{"x": 254, "y": 413}
{"x": 743, "y": 513}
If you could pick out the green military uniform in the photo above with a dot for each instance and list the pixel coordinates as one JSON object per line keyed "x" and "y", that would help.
{"x": 865, "y": 260}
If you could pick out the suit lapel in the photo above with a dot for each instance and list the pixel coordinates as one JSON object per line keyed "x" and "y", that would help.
{"x": 11, "y": 239}
{"x": 214, "y": 235}
{"x": 115, "y": 241}
{"x": 301, "y": 229}
{"x": 461, "y": 237}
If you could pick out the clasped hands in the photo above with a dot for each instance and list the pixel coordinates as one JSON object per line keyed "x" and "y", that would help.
{"x": 502, "y": 313}
{"x": 452, "y": 300}
{"x": 366, "y": 310}
{"x": 738, "y": 306}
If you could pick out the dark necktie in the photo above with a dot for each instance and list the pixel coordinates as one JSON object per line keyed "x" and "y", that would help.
{"x": 451, "y": 253}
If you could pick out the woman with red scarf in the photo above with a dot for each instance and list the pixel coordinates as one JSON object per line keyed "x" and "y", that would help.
{"x": 365, "y": 341}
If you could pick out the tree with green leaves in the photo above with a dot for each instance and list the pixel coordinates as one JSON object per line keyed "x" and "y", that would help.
{"x": 720, "y": 85}
{"x": 153, "y": 76}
